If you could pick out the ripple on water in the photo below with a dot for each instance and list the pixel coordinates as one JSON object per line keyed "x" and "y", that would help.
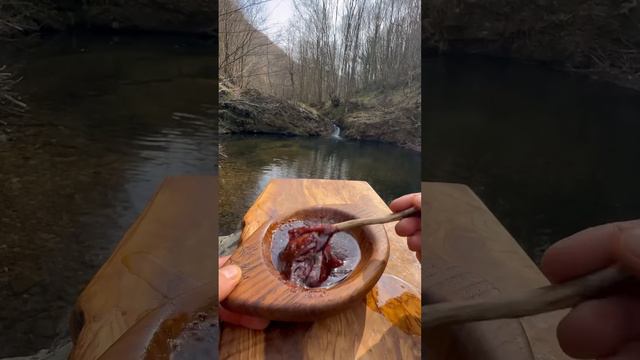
{"x": 110, "y": 128}
{"x": 252, "y": 161}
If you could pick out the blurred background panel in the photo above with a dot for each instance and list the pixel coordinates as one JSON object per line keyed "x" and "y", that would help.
{"x": 99, "y": 102}
{"x": 535, "y": 106}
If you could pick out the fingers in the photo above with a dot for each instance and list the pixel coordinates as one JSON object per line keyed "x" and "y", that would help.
{"x": 228, "y": 277}
{"x": 627, "y": 250}
{"x": 222, "y": 260}
{"x": 598, "y": 328}
{"x": 414, "y": 242}
{"x": 584, "y": 252}
{"x": 243, "y": 320}
{"x": 579, "y": 254}
{"x": 630, "y": 351}
{"x": 408, "y": 226}
{"x": 604, "y": 327}
{"x": 406, "y": 201}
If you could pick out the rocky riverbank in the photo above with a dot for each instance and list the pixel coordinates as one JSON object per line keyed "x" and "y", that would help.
{"x": 60, "y": 352}
{"x": 389, "y": 115}
{"x": 174, "y": 16}
{"x": 599, "y": 38}
{"x": 250, "y": 111}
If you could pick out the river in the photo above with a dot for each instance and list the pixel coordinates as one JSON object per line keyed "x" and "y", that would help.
{"x": 248, "y": 162}
{"x": 549, "y": 152}
{"x": 109, "y": 118}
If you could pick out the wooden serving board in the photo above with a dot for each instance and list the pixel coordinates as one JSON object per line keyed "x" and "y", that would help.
{"x": 164, "y": 267}
{"x": 468, "y": 254}
{"x": 384, "y": 325}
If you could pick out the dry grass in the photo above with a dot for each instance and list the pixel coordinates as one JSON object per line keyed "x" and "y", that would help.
{"x": 9, "y": 101}
{"x": 18, "y": 16}
{"x": 16, "y": 19}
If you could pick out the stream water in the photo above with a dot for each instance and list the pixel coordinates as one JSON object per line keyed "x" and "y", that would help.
{"x": 109, "y": 119}
{"x": 248, "y": 162}
{"x": 550, "y": 153}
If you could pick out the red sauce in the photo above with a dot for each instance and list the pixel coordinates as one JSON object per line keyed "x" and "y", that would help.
{"x": 313, "y": 256}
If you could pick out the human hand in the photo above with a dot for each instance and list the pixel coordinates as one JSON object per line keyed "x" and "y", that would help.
{"x": 228, "y": 278}
{"x": 606, "y": 328}
{"x": 410, "y": 227}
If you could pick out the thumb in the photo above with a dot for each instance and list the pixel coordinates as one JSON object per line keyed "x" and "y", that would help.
{"x": 228, "y": 277}
{"x": 628, "y": 251}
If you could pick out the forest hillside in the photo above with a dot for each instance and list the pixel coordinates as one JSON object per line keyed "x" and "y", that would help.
{"x": 356, "y": 63}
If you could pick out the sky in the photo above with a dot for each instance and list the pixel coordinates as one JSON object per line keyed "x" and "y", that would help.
{"x": 277, "y": 13}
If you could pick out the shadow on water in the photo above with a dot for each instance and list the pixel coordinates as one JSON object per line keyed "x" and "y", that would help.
{"x": 550, "y": 153}
{"x": 248, "y": 162}
{"x": 109, "y": 119}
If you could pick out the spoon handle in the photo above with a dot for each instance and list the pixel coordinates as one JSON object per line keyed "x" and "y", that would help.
{"x": 346, "y": 225}
{"x": 532, "y": 302}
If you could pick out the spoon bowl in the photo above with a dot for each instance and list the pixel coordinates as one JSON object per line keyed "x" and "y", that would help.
{"x": 264, "y": 292}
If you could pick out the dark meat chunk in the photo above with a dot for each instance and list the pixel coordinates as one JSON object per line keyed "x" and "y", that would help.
{"x": 307, "y": 259}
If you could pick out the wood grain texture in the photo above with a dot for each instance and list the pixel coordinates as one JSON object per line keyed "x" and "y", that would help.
{"x": 164, "y": 267}
{"x": 262, "y": 291}
{"x": 469, "y": 255}
{"x": 358, "y": 222}
{"x": 382, "y": 325}
{"x": 532, "y": 302}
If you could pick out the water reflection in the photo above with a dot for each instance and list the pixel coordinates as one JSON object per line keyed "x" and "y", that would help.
{"x": 550, "y": 153}
{"x": 110, "y": 118}
{"x": 249, "y": 162}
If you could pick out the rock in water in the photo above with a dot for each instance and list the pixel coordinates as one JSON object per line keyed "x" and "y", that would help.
{"x": 228, "y": 243}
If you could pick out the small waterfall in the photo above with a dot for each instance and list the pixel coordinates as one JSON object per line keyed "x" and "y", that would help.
{"x": 336, "y": 132}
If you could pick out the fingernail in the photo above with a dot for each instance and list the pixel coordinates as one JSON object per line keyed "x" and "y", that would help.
{"x": 230, "y": 272}
{"x": 631, "y": 242}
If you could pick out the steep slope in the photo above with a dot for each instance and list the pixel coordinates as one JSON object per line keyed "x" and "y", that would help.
{"x": 250, "y": 111}
{"x": 247, "y": 57}
{"x": 389, "y": 115}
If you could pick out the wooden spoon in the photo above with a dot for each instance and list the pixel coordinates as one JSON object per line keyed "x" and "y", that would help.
{"x": 536, "y": 301}
{"x": 307, "y": 259}
{"x": 351, "y": 224}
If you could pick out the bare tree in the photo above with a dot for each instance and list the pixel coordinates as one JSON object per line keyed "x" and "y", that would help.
{"x": 247, "y": 57}
{"x": 236, "y": 41}
{"x": 331, "y": 48}
{"x": 341, "y": 47}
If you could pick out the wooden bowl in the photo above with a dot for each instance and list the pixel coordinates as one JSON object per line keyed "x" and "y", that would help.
{"x": 263, "y": 292}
